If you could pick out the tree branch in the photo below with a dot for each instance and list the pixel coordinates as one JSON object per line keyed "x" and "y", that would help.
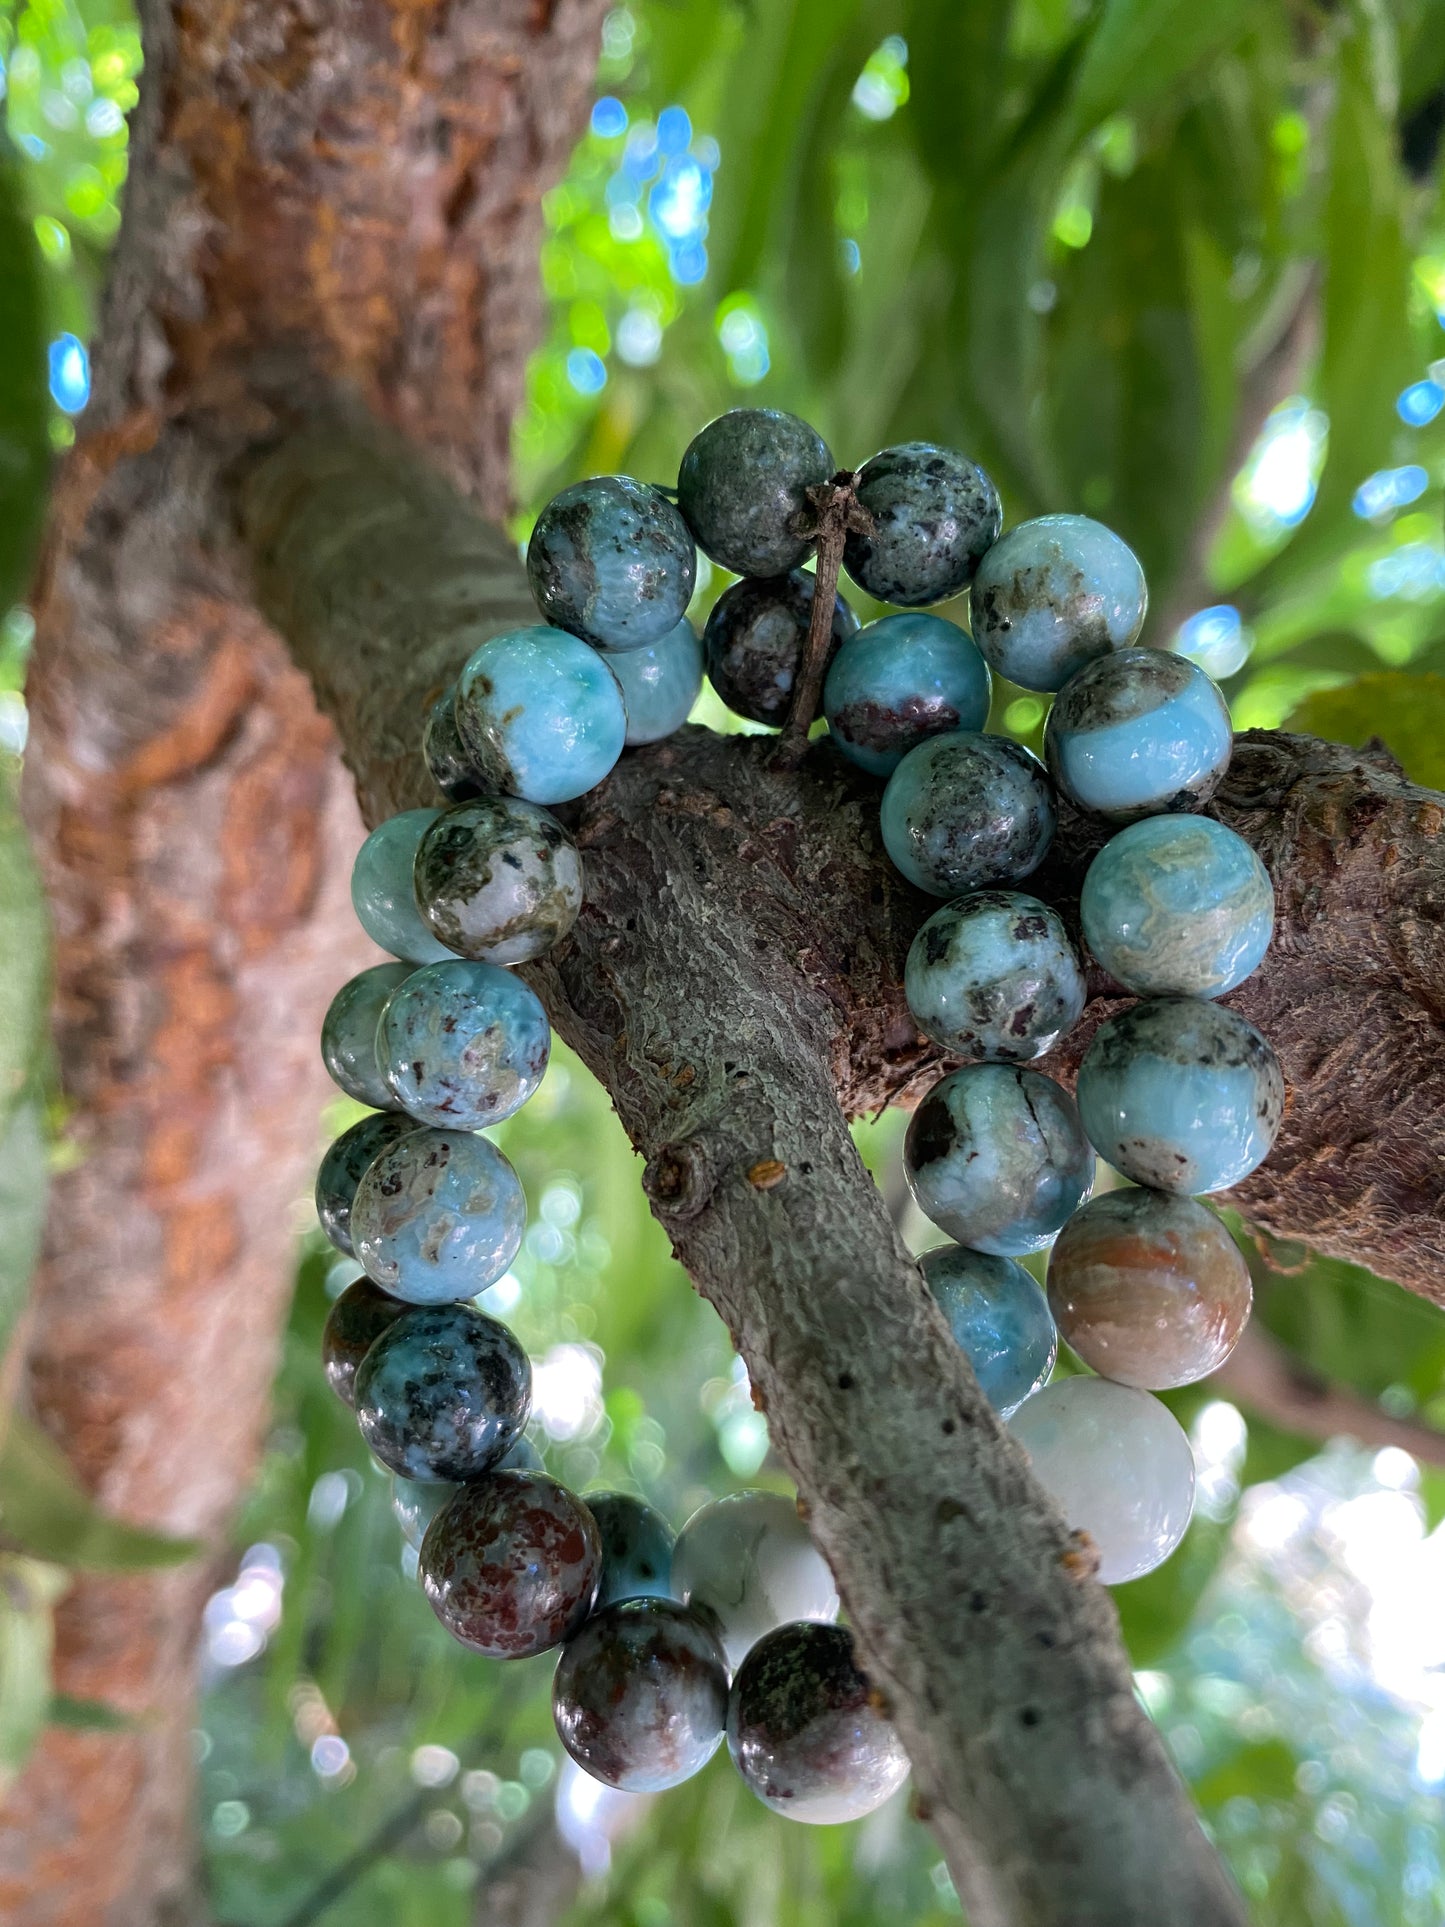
{"x": 1268, "y": 1380}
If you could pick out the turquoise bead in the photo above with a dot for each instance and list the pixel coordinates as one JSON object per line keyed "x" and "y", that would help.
{"x": 383, "y": 893}
{"x": 463, "y": 1044}
{"x": 1177, "y": 906}
{"x": 348, "y": 1034}
{"x": 637, "y": 1547}
{"x": 899, "y": 681}
{"x": 1138, "y": 733}
{"x": 1181, "y": 1095}
{"x": 659, "y": 684}
{"x": 965, "y": 810}
{"x": 995, "y": 975}
{"x": 1000, "y": 1318}
{"x": 438, "y": 1216}
{"x": 1051, "y": 595}
{"x": 613, "y": 561}
{"x": 541, "y": 714}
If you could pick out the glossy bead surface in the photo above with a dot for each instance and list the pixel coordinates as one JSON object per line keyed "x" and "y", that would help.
{"x": 966, "y": 810}
{"x": 344, "y": 1165}
{"x": 748, "y": 1563}
{"x": 1181, "y": 1095}
{"x": 348, "y": 1033}
{"x": 510, "y": 1564}
{"x": 899, "y": 681}
{"x": 498, "y": 880}
{"x": 541, "y": 714}
{"x": 754, "y": 639}
{"x": 416, "y": 1502}
{"x": 1137, "y": 733}
{"x": 463, "y": 1044}
{"x": 743, "y": 489}
{"x": 999, "y": 1316}
{"x": 659, "y": 684}
{"x": 1118, "y": 1465}
{"x": 936, "y": 514}
{"x": 443, "y": 1393}
{"x": 438, "y": 1216}
{"x": 805, "y": 1732}
{"x": 636, "y": 1548}
{"x": 445, "y": 753}
{"x": 353, "y": 1325}
{"x": 1177, "y": 906}
{"x": 1149, "y": 1289}
{"x": 1051, "y": 595}
{"x": 382, "y": 892}
{"x": 613, "y": 561}
{"x": 640, "y": 1696}
{"x": 995, "y": 975}
{"x": 996, "y": 1157}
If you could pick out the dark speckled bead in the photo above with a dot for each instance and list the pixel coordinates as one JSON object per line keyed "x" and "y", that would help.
{"x": 636, "y": 1548}
{"x": 613, "y": 561}
{"x": 742, "y": 489}
{"x": 641, "y": 1696}
{"x": 964, "y": 810}
{"x": 805, "y": 1731}
{"x": 510, "y": 1565}
{"x": 994, "y": 975}
{"x": 443, "y": 1393}
{"x": 937, "y": 514}
{"x": 463, "y": 1044}
{"x": 754, "y": 640}
{"x": 502, "y": 877}
{"x": 343, "y": 1167}
{"x": 353, "y": 1325}
{"x": 446, "y": 754}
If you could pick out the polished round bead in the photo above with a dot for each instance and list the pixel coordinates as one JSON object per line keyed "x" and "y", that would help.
{"x": 935, "y": 515}
{"x": 498, "y": 880}
{"x": 464, "y": 1044}
{"x": 383, "y": 893}
{"x": 348, "y": 1034}
{"x": 613, "y": 561}
{"x": 1149, "y": 1289}
{"x": 1118, "y": 1466}
{"x": 1177, "y": 906}
{"x": 996, "y": 1157}
{"x": 640, "y": 1696}
{"x": 1051, "y": 595}
{"x": 999, "y": 1316}
{"x": 965, "y": 810}
{"x": 899, "y": 681}
{"x": 1137, "y": 733}
{"x": 445, "y": 753}
{"x": 743, "y": 489}
{"x": 754, "y": 639}
{"x": 416, "y": 1502}
{"x": 345, "y": 1164}
{"x": 659, "y": 684}
{"x": 510, "y": 1564}
{"x": 747, "y": 1561}
{"x": 353, "y": 1325}
{"x": 995, "y": 975}
{"x": 443, "y": 1393}
{"x": 438, "y": 1216}
{"x": 1181, "y": 1095}
{"x": 805, "y": 1730}
{"x": 636, "y": 1548}
{"x": 541, "y": 714}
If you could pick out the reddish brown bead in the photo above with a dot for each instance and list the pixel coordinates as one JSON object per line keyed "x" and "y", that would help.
{"x": 353, "y": 1325}
{"x": 511, "y": 1564}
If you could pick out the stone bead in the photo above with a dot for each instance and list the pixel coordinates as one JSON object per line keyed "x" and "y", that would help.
{"x": 743, "y": 489}
{"x": 438, "y": 1216}
{"x": 383, "y": 894}
{"x": 999, "y": 1316}
{"x": 348, "y": 1034}
{"x": 995, "y": 975}
{"x": 640, "y": 1696}
{"x": 637, "y": 1547}
{"x": 464, "y": 1044}
{"x": 445, "y": 753}
{"x": 353, "y": 1325}
{"x": 659, "y": 684}
{"x": 510, "y": 1565}
{"x": 613, "y": 561}
{"x": 966, "y": 810}
{"x": 1137, "y": 733}
{"x": 1180, "y": 1095}
{"x": 936, "y": 515}
{"x": 344, "y": 1166}
{"x": 996, "y": 1157}
{"x": 498, "y": 880}
{"x": 1149, "y": 1289}
{"x": 1177, "y": 906}
{"x": 754, "y": 640}
{"x": 443, "y": 1393}
{"x": 541, "y": 714}
{"x": 747, "y": 1563}
{"x": 1117, "y": 1464}
{"x": 416, "y": 1502}
{"x": 805, "y": 1731}
{"x": 1051, "y": 595}
{"x": 899, "y": 681}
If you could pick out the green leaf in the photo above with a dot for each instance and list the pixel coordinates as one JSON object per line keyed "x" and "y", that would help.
{"x": 1143, "y": 48}
{"x": 88, "y": 1716}
{"x": 28, "y": 1592}
{"x": 1155, "y": 1611}
{"x": 24, "y": 393}
{"x": 1260, "y": 1770}
{"x": 1402, "y": 707}
{"x": 43, "y": 1510}
{"x": 24, "y": 1176}
{"x": 24, "y": 956}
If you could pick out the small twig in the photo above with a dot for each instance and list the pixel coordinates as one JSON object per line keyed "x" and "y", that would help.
{"x": 836, "y": 511}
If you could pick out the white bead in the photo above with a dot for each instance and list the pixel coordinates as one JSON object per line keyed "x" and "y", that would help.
{"x": 749, "y": 1561}
{"x": 1119, "y": 1466}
